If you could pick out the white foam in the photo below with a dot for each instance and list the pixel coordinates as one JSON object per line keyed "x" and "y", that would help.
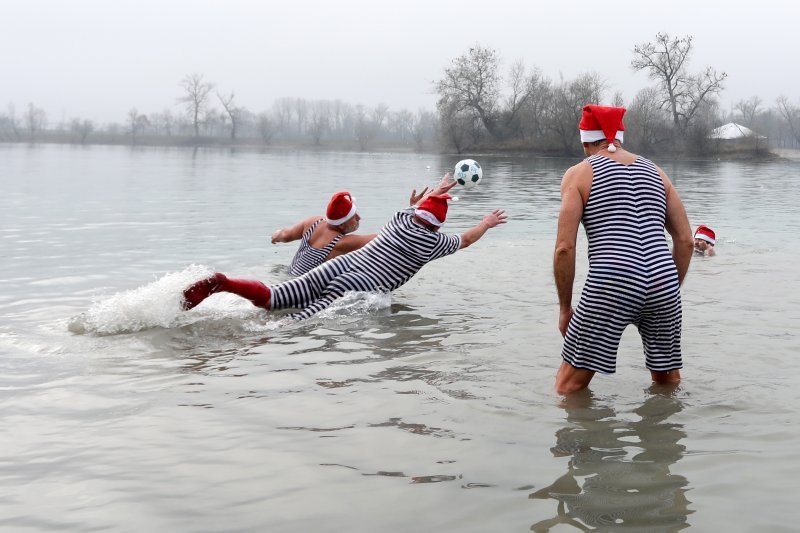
{"x": 358, "y": 303}
{"x": 156, "y": 304}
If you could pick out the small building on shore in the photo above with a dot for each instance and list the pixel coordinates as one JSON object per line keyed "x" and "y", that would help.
{"x": 732, "y": 137}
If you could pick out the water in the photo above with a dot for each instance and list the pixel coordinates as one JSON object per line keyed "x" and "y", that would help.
{"x": 430, "y": 410}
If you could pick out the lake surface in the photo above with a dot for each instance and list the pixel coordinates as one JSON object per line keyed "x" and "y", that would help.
{"x": 430, "y": 410}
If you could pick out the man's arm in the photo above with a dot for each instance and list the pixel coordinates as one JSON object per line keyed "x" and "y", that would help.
{"x": 569, "y": 219}
{"x": 350, "y": 243}
{"x": 292, "y": 233}
{"x": 493, "y": 219}
{"x": 677, "y": 225}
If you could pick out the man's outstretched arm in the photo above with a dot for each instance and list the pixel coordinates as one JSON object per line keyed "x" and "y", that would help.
{"x": 493, "y": 219}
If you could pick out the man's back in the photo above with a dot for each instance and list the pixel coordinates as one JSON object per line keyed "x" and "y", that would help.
{"x": 400, "y": 250}
{"x": 624, "y": 220}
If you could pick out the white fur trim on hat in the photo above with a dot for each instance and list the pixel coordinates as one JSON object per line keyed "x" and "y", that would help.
{"x": 704, "y": 238}
{"x": 427, "y": 216}
{"x": 344, "y": 219}
{"x": 590, "y": 136}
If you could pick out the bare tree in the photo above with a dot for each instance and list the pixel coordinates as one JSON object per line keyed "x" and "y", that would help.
{"x": 401, "y": 123}
{"x": 471, "y": 82}
{"x": 282, "y": 109}
{"x": 534, "y": 110}
{"x": 214, "y": 123}
{"x": 301, "y": 112}
{"x": 646, "y": 122}
{"x": 748, "y": 110}
{"x": 35, "y": 119}
{"x": 423, "y": 126}
{"x": 82, "y": 128}
{"x": 569, "y": 97}
{"x": 455, "y": 125}
{"x": 524, "y": 86}
{"x": 791, "y": 114}
{"x": 266, "y": 127}
{"x": 665, "y": 60}
{"x": 340, "y": 111}
{"x": 196, "y": 98}
{"x": 137, "y": 122}
{"x": 233, "y": 111}
{"x": 163, "y": 122}
{"x": 319, "y": 120}
{"x": 368, "y": 123}
{"x": 13, "y": 122}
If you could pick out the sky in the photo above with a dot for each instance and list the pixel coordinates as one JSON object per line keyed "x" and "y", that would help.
{"x": 97, "y": 59}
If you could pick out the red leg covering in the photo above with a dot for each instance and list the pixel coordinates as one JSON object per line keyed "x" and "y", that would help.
{"x": 252, "y": 290}
{"x": 199, "y": 291}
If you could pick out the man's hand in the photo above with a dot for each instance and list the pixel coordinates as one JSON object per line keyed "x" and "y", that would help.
{"x": 415, "y": 198}
{"x": 445, "y": 185}
{"x": 495, "y": 218}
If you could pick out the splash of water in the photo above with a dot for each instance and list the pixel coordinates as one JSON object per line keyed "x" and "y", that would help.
{"x": 156, "y": 304}
{"x": 358, "y": 303}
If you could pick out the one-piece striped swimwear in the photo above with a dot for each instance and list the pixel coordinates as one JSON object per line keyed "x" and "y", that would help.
{"x": 388, "y": 261}
{"x": 308, "y": 257}
{"x": 632, "y": 277}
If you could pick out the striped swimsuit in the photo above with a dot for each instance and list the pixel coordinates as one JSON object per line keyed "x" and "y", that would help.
{"x": 308, "y": 257}
{"x": 632, "y": 277}
{"x": 388, "y": 261}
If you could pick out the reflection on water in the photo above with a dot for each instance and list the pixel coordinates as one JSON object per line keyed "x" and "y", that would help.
{"x": 406, "y": 400}
{"x": 619, "y": 472}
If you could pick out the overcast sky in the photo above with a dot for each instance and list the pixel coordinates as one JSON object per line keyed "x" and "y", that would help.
{"x": 97, "y": 59}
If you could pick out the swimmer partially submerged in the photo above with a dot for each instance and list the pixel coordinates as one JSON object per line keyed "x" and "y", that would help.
{"x": 704, "y": 241}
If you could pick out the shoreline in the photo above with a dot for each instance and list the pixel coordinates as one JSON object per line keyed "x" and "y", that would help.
{"x": 787, "y": 154}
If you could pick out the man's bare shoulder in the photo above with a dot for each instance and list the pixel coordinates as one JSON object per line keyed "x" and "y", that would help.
{"x": 353, "y": 241}
{"x": 584, "y": 168}
{"x": 579, "y": 176}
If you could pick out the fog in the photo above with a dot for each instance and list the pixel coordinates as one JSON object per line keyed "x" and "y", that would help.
{"x": 98, "y": 59}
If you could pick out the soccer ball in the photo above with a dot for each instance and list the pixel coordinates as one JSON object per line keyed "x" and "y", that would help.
{"x": 468, "y": 173}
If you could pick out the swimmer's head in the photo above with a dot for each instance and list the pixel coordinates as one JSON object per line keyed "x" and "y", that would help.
{"x": 341, "y": 209}
{"x": 704, "y": 233}
{"x": 433, "y": 209}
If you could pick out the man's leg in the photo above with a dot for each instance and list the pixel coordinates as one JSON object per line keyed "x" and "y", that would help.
{"x": 570, "y": 379}
{"x": 666, "y": 378}
{"x": 253, "y": 290}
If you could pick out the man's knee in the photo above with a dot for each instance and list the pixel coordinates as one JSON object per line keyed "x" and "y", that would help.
{"x": 571, "y": 379}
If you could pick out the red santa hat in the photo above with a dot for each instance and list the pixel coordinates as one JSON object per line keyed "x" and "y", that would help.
{"x": 433, "y": 209}
{"x": 341, "y": 208}
{"x": 705, "y": 233}
{"x": 600, "y": 122}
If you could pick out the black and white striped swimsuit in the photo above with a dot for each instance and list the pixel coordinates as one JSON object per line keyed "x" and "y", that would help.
{"x": 308, "y": 257}
{"x": 632, "y": 277}
{"x": 388, "y": 261}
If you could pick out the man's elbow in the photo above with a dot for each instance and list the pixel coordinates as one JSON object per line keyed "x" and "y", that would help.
{"x": 466, "y": 242}
{"x": 564, "y": 249}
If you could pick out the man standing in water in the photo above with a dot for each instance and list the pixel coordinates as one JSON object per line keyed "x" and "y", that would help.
{"x": 625, "y": 203}
{"x": 409, "y": 241}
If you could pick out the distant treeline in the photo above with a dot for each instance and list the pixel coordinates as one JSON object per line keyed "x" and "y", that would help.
{"x": 478, "y": 109}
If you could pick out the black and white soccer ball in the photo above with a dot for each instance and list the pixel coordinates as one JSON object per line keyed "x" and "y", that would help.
{"x": 468, "y": 173}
